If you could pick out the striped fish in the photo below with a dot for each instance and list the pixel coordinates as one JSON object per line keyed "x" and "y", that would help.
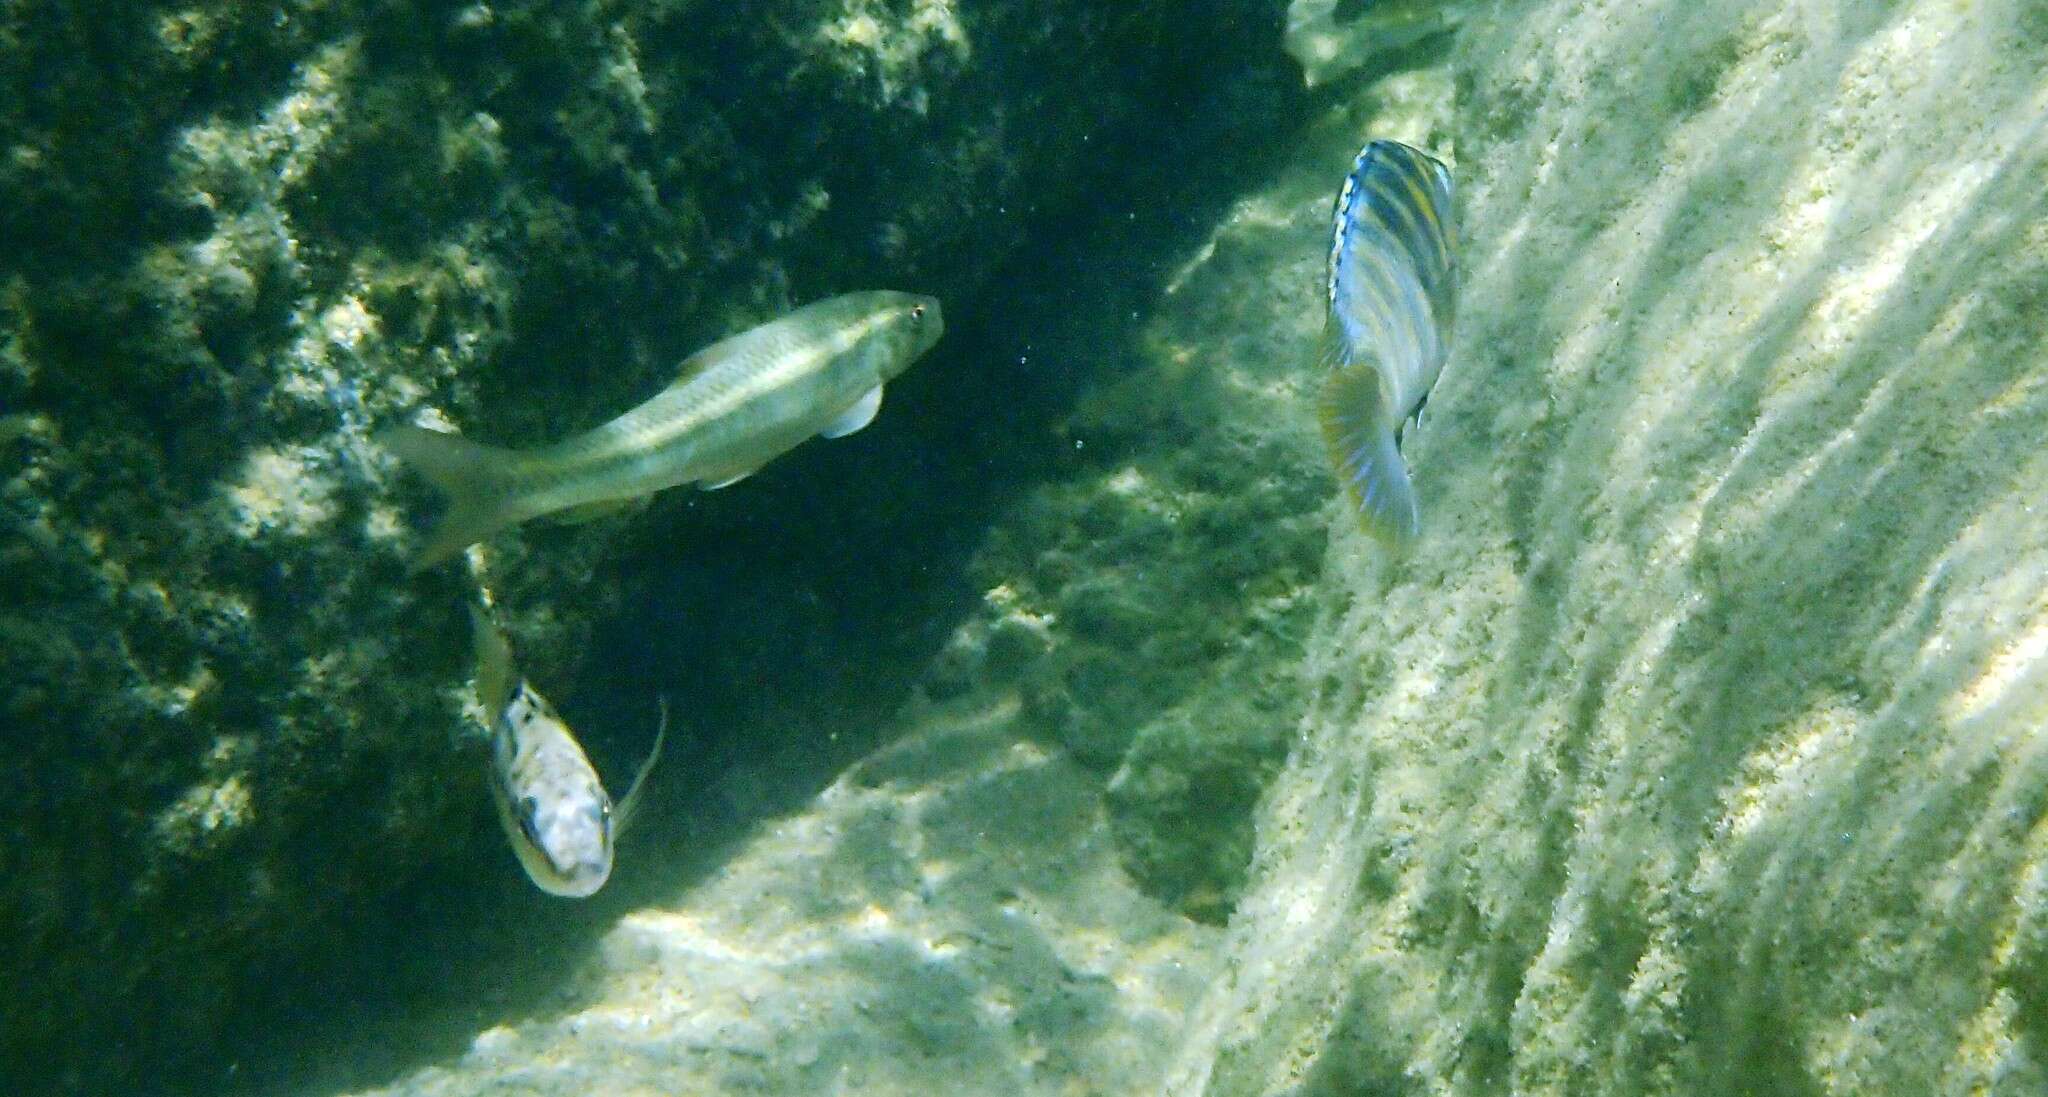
{"x": 1392, "y": 295}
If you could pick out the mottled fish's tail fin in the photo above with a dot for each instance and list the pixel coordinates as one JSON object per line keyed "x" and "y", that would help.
{"x": 1359, "y": 429}
{"x": 493, "y": 664}
{"x": 480, "y": 482}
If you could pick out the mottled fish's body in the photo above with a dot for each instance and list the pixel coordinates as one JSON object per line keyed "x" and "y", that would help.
{"x": 737, "y": 404}
{"x": 1392, "y": 298}
{"x": 554, "y": 809}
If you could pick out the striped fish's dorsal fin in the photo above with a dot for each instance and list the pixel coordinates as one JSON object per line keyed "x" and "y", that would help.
{"x": 1340, "y": 217}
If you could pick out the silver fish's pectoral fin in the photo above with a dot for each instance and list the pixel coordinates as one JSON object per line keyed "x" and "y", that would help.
{"x": 855, "y": 417}
{"x": 725, "y": 482}
{"x": 632, "y": 799}
{"x": 1359, "y": 431}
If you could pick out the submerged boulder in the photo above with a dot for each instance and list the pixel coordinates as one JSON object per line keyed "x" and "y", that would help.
{"x": 1697, "y": 747}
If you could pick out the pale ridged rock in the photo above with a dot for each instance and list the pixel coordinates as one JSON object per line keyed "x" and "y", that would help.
{"x": 1699, "y": 746}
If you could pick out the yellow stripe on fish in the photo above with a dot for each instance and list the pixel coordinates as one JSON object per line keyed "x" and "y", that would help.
{"x": 1392, "y": 298}
{"x": 737, "y": 404}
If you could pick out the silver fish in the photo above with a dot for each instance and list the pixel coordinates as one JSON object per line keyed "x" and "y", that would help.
{"x": 554, "y": 809}
{"x": 1392, "y": 299}
{"x": 737, "y": 404}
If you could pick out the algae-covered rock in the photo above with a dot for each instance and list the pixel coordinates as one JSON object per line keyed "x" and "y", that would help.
{"x": 1696, "y": 748}
{"x": 239, "y": 238}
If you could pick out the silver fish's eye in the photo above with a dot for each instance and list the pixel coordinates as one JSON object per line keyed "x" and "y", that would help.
{"x": 917, "y": 312}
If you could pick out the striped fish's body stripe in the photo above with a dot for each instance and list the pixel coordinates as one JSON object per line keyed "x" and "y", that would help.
{"x": 1406, "y": 195}
{"x": 1392, "y": 290}
{"x": 1387, "y": 311}
{"x": 1391, "y": 280}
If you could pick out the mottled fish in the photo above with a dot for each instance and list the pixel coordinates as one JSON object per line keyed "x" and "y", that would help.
{"x": 1392, "y": 295}
{"x": 736, "y": 405}
{"x": 553, "y": 807}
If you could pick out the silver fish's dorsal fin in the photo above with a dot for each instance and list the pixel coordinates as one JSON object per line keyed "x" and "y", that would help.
{"x": 632, "y": 799}
{"x": 493, "y": 664}
{"x": 853, "y": 418}
{"x": 702, "y": 360}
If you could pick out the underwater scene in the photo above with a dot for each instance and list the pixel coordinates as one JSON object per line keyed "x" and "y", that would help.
{"x": 1024, "y": 548}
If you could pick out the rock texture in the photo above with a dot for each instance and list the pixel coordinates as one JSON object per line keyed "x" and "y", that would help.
{"x": 1698, "y": 746}
{"x": 239, "y": 237}
{"x": 1055, "y": 735}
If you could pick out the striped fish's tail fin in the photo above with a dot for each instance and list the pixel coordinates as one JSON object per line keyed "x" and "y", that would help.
{"x": 480, "y": 481}
{"x": 1359, "y": 429}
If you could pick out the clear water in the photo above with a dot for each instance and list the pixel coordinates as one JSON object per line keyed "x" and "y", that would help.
{"x": 1058, "y": 732}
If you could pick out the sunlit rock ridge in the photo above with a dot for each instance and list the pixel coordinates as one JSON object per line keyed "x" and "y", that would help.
{"x": 1701, "y": 746}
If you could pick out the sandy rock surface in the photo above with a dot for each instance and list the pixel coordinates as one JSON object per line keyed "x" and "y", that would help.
{"x": 1697, "y": 748}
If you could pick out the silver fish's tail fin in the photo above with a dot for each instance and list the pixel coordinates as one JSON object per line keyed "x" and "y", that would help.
{"x": 1359, "y": 429}
{"x": 480, "y": 482}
